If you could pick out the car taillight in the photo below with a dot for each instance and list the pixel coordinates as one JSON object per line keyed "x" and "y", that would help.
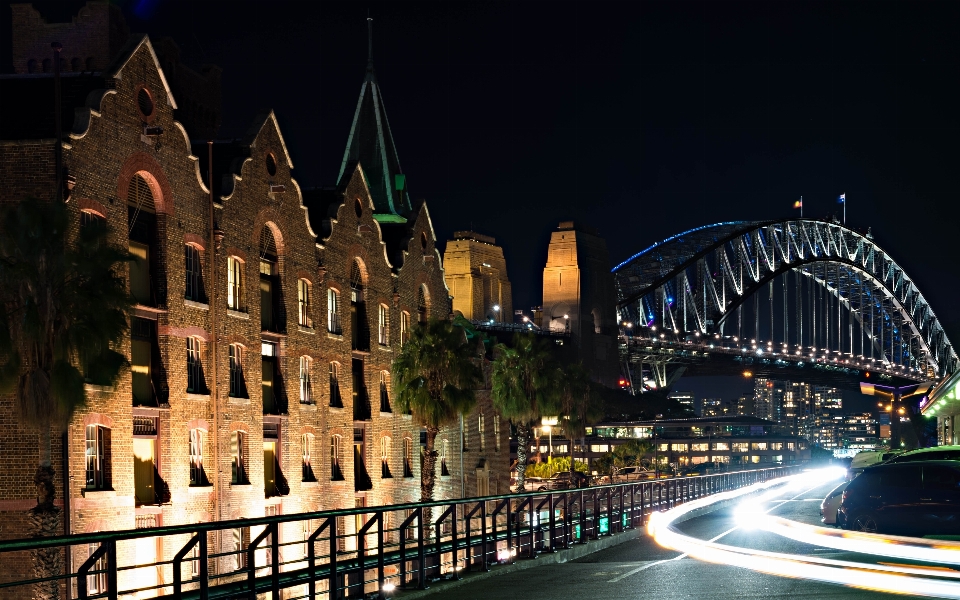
{"x": 843, "y": 498}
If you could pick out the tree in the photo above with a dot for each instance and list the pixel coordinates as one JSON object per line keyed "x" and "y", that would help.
{"x": 580, "y": 404}
{"x": 524, "y": 388}
{"x": 63, "y": 308}
{"x": 437, "y": 373}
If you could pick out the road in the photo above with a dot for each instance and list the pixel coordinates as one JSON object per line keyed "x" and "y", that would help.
{"x": 643, "y": 569}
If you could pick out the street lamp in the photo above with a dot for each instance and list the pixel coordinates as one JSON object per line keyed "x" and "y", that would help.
{"x": 496, "y": 313}
{"x": 548, "y": 423}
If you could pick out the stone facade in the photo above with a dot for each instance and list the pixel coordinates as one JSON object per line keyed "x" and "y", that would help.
{"x": 579, "y": 298}
{"x": 476, "y": 272}
{"x": 224, "y": 231}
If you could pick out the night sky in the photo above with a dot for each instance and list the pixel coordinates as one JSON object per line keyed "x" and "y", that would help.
{"x": 643, "y": 119}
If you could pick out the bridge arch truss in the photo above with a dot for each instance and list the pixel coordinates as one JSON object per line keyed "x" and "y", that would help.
{"x": 801, "y": 289}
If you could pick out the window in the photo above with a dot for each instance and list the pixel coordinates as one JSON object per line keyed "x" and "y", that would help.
{"x": 443, "y": 458}
{"x": 721, "y": 446}
{"x": 383, "y": 326}
{"x": 335, "y": 399}
{"x": 663, "y": 447}
{"x": 142, "y": 339}
{"x": 145, "y": 473}
{"x": 274, "y": 483}
{"x": 336, "y": 458}
{"x": 238, "y": 450}
{"x": 241, "y": 539}
{"x": 678, "y": 447}
{"x": 197, "y": 475}
{"x": 422, "y": 307}
{"x": 480, "y": 430}
{"x": 699, "y": 447}
{"x": 303, "y": 303}
{"x": 98, "y": 457}
{"x": 238, "y": 388}
{"x": 195, "y": 381}
{"x": 740, "y": 446}
{"x": 776, "y": 445}
{"x": 496, "y": 432}
{"x": 791, "y": 446}
{"x": 341, "y": 534}
{"x": 407, "y": 457}
{"x": 234, "y": 283}
{"x": 97, "y": 580}
{"x": 306, "y": 443}
{"x": 92, "y": 220}
{"x": 359, "y": 325}
{"x": 385, "y": 444}
{"x": 404, "y": 328}
{"x": 194, "y": 273}
{"x": 333, "y": 312}
{"x": 384, "y": 391}
{"x": 306, "y": 395}
{"x": 271, "y": 388}
{"x": 758, "y": 446}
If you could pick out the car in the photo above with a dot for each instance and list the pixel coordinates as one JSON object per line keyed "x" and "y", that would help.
{"x": 867, "y": 458}
{"x": 628, "y": 474}
{"x": 934, "y": 453}
{"x": 830, "y": 504}
{"x": 564, "y": 480}
{"x": 909, "y": 498}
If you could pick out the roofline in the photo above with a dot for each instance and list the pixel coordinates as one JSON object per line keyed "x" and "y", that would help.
{"x": 115, "y": 71}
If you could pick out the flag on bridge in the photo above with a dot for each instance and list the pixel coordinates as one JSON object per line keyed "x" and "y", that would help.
{"x": 798, "y": 204}
{"x": 841, "y": 199}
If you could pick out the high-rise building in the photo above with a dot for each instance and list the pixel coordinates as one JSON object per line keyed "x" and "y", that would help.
{"x": 686, "y": 399}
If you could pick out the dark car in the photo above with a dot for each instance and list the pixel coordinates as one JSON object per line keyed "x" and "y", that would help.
{"x": 911, "y": 498}
{"x": 935, "y": 453}
{"x": 564, "y": 480}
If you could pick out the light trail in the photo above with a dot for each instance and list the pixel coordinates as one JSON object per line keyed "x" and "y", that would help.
{"x": 937, "y": 582}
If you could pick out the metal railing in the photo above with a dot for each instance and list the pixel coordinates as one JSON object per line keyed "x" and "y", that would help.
{"x": 313, "y": 555}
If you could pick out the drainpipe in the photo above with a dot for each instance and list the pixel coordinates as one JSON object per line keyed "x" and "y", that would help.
{"x": 462, "y": 486}
{"x": 214, "y": 307}
{"x": 65, "y": 453}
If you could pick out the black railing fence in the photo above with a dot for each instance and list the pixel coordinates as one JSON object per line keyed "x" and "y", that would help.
{"x": 354, "y": 553}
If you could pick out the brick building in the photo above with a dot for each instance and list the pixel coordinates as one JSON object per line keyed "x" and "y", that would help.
{"x": 267, "y": 316}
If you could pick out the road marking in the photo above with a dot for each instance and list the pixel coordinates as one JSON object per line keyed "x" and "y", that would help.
{"x": 638, "y": 569}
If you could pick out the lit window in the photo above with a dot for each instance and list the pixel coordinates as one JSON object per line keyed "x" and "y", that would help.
{"x": 404, "y": 328}
{"x": 721, "y": 446}
{"x": 306, "y": 394}
{"x": 194, "y": 274}
{"x": 383, "y": 331}
{"x": 197, "y": 474}
{"x": 385, "y": 444}
{"x": 407, "y": 457}
{"x": 333, "y": 312}
{"x": 97, "y": 451}
{"x": 234, "y": 283}
{"x": 195, "y": 381}
{"x": 496, "y": 433}
{"x": 336, "y": 458}
{"x": 306, "y": 447}
{"x": 303, "y": 303}
{"x": 241, "y": 539}
{"x": 237, "y": 385}
{"x": 238, "y": 451}
{"x": 443, "y": 458}
{"x": 97, "y": 580}
{"x": 480, "y": 430}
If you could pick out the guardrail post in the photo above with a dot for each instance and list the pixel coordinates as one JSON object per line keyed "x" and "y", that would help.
{"x": 421, "y": 552}
{"x": 553, "y": 523}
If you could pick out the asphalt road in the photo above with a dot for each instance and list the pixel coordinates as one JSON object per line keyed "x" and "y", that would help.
{"x": 642, "y": 569}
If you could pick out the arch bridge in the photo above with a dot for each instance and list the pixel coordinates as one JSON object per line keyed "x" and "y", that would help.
{"x": 806, "y": 295}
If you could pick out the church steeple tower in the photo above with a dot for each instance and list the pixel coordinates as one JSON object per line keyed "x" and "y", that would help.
{"x": 371, "y": 144}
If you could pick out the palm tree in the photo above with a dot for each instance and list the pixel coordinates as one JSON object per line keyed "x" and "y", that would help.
{"x": 63, "y": 304}
{"x": 437, "y": 373}
{"x": 580, "y": 404}
{"x": 524, "y": 388}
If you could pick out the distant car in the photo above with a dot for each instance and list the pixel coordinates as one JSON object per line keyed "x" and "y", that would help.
{"x": 935, "y": 453}
{"x": 909, "y": 498}
{"x": 830, "y": 504}
{"x": 564, "y": 480}
{"x": 628, "y": 474}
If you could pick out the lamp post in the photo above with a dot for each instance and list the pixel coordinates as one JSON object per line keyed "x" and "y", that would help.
{"x": 548, "y": 423}
{"x": 496, "y": 313}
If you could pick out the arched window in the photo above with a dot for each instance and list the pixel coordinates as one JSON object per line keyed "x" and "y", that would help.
{"x": 383, "y": 325}
{"x": 443, "y": 457}
{"x": 359, "y": 330}
{"x": 142, "y": 227}
{"x": 193, "y": 267}
{"x": 197, "y": 474}
{"x": 407, "y": 457}
{"x": 238, "y": 387}
{"x": 336, "y": 458}
{"x": 385, "y": 391}
{"x": 423, "y": 307}
{"x": 306, "y": 393}
{"x": 333, "y": 312}
{"x": 195, "y": 380}
{"x": 336, "y": 400}
{"x": 239, "y": 453}
{"x": 306, "y": 446}
{"x": 98, "y": 457}
{"x": 303, "y": 303}
{"x": 235, "y": 283}
{"x": 271, "y": 294}
{"x": 385, "y": 448}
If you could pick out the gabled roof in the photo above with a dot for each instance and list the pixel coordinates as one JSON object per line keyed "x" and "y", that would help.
{"x": 261, "y": 121}
{"x": 371, "y": 144}
{"x": 127, "y": 52}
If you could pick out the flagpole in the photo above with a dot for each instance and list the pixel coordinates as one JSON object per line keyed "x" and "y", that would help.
{"x": 844, "y": 208}
{"x": 801, "y": 206}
